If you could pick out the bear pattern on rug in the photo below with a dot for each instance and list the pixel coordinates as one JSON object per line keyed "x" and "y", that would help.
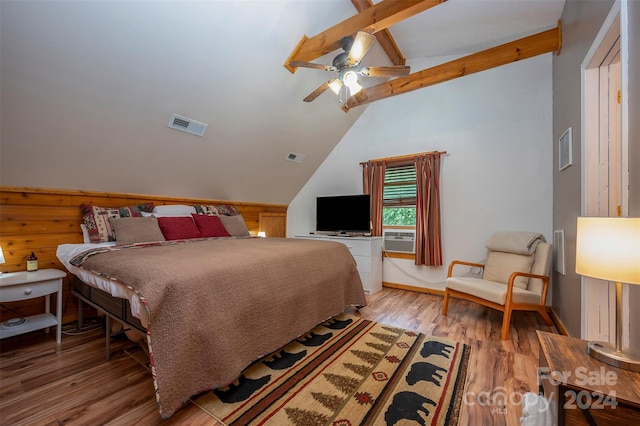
{"x": 348, "y": 371}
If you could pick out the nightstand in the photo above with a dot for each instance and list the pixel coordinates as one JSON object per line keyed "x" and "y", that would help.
{"x": 583, "y": 390}
{"x": 16, "y": 286}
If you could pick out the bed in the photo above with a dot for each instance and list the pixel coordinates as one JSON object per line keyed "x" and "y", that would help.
{"x": 210, "y": 306}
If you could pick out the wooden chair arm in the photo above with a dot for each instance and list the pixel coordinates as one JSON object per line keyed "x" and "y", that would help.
{"x": 462, "y": 262}
{"x": 545, "y": 284}
{"x": 526, "y": 274}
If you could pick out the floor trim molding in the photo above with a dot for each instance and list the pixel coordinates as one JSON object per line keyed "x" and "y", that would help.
{"x": 558, "y": 322}
{"x": 413, "y": 288}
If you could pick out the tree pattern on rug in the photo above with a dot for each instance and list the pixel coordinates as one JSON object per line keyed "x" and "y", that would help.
{"x": 343, "y": 383}
{"x": 378, "y": 346}
{"x": 306, "y": 418}
{"x": 332, "y": 402}
{"x": 388, "y": 338}
{"x": 361, "y": 370}
{"x": 368, "y": 357}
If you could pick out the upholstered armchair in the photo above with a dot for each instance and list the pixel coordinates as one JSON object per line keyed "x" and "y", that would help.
{"x": 515, "y": 277}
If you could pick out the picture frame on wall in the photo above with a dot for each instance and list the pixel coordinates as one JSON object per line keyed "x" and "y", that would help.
{"x": 558, "y": 251}
{"x": 565, "y": 149}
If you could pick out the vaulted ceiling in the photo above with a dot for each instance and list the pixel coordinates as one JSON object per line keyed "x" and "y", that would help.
{"x": 87, "y": 87}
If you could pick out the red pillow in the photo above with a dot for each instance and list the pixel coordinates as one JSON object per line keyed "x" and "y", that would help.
{"x": 178, "y": 228}
{"x": 210, "y": 226}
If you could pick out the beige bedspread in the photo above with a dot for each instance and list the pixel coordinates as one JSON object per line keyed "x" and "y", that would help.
{"x": 216, "y": 305}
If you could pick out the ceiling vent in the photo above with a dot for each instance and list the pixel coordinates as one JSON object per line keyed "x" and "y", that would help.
{"x": 293, "y": 157}
{"x": 188, "y": 125}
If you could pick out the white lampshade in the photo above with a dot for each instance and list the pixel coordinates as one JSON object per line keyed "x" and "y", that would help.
{"x": 335, "y": 85}
{"x": 1, "y": 256}
{"x": 608, "y": 248}
{"x": 350, "y": 79}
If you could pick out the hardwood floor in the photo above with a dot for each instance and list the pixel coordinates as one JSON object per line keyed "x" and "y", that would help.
{"x": 72, "y": 384}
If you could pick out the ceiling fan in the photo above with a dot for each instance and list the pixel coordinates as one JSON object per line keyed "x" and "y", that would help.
{"x": 348, "y": 66}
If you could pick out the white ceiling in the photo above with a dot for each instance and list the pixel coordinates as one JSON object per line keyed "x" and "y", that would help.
{"x": 91, "y": 85}
{"x": 458, "y": 27}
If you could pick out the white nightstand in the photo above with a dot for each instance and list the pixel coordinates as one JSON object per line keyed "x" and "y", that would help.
{"x": 16, "y": 286}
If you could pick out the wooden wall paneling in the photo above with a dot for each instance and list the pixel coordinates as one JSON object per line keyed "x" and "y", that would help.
{"x": 273, "y": 224}
{"x": 39, "y": 219}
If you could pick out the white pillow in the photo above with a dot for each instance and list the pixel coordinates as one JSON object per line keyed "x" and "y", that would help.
{"x": 145, "y": 214}
{"x": 174, "y": 210}
{"x": 85, "y": 234}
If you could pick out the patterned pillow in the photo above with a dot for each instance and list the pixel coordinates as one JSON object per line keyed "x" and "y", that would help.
{"x": 206, "y": 210}
{"x": 222, "y": 209}
{"x": 227, "y": 210}
{"x": 96, "y": 219}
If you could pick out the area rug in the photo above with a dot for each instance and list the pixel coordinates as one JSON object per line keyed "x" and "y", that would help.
{"x": 348, "y": 371}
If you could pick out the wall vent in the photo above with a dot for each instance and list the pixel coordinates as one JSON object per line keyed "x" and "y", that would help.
{"x": 188, "y": 125}
{"x": 296, "y": 158}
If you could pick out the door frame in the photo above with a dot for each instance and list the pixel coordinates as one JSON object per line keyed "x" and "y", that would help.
{"x": 614, "y": 28}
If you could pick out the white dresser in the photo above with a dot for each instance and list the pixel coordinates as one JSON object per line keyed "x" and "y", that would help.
{"x": 367, "y": 252}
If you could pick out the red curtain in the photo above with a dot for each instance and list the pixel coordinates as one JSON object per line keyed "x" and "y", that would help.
{"x": 373, "y": 184}
{"x": 428, "y": 236}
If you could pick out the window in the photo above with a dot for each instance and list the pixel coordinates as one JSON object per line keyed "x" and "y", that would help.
{"x": 399, "y": 197}
{"x": 405, "y": 192}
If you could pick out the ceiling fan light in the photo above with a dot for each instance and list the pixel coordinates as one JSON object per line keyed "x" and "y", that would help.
{"x": 354, "y": 88}
{"x": 335, "y": 85}
{"x": 350, "y": 79}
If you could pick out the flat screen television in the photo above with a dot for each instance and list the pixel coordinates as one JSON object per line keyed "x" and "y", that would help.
{"x": 343, "y": 214}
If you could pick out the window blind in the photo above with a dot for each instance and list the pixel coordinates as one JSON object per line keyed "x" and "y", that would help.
{"x": 399, "y": 186}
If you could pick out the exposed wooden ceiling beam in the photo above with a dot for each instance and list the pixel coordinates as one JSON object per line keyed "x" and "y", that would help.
{"x": 384, "y": 37}
{"x": 372, "y": 20}
{"x": 527, "y": 47}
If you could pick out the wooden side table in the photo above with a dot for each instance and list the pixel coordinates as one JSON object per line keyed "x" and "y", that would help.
{"x": 583, "y": 390}
{"x": 16, "y": 286}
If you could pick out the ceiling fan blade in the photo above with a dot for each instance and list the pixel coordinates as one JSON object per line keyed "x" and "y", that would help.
{"x": 319, "y": 91}
{"x": 312, "y": 65}
{"x": 361, "y": 45}
{"x": 393, "y": 71}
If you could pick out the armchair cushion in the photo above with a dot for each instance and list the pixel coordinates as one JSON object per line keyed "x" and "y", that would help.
{"x": 492, "y": 291}
{"x": 499, "y": 267}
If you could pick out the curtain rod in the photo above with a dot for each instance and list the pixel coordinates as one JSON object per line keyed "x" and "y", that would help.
{"x": 403, "y": 157}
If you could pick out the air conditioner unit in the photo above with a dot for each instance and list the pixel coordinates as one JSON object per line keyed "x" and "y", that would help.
{"x": 399, "y": 240}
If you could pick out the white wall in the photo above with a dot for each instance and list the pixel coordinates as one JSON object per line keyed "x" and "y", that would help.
{"x": 496, "y": 127}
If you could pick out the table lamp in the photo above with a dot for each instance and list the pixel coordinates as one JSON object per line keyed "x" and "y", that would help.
{"x": 608, "y": 248}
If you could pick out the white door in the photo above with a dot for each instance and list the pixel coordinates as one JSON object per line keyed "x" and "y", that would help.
{"x": 604, "y": 163}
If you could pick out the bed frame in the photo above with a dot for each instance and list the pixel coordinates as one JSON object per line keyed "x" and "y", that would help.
{"x": 112, "y": 307}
